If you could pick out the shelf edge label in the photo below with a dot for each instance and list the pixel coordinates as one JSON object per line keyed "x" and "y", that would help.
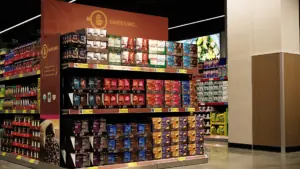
{"x": 123, "y": 110}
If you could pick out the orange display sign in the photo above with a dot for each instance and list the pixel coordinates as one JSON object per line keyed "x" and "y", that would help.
{"x": 62, "y": 17}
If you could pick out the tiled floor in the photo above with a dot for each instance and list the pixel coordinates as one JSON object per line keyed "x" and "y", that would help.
{"x": 8, "y": 165}
{"x": 222, "y": 157}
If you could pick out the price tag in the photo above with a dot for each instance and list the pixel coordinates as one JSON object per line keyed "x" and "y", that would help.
{"x": 18, "y": 157}
{"x": 7, "y": 78}
{"x": 173, "y": 110}
{"x": 87, "y": 111}
{"x": 156, "y": 110}
{"x": 191, "y": 109}
{"x": 31, "y": 161}
{"x": 3, "y": 153}
{"x": 136, "y": 68}
{"x": 99, "y": 66}
{"x": 92, "y": 168}
{"x": 14, "y": 111}
{"x": 181, "y": 158}
{"x": 81, "y": 65}
{"x": 160, "y": 70}
{"x": 133, "y": 164}
{"x": 38, "y": 72}
{"x": 32, "y": 111}
{"x": 20, "y": 75}
{"x": 182, "y": 71}
{"x": 6, "y": 111}
{"x": 24, "y": 111}
{"x": 123, "y": 110}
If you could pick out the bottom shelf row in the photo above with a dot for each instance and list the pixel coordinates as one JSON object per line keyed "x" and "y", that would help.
{"x": 96, "y": 142}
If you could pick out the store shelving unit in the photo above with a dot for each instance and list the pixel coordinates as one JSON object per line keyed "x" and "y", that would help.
{"x": 211, "y": 98}
{"x": 19, "y": 99}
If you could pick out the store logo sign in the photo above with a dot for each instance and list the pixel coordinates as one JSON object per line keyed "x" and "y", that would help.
{"x": 98, "y": 19}
{"x": 45, "y": 50}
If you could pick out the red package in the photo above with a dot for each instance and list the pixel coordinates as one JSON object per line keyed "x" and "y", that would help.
{"x": 121, "y": 99}
{"x": 150, "y": 100}
{"x": 106, "y": 99}
{"x": 107, "y": 84}
{"x": 113, "y": 84}
{"x": 168, "y": 86}
{"x": 158, "y": 85}
{"x": 150, "y": 85}
{"x": 113, "y": 99}
{"x": 121, "y": 84}
{"x": 176, "y": 99}
{"x": 126, "y": 84}
{"x": 141, "y": 85}
{"x": 176, "y": 86}
{"x": 141, "y": 99}
{"x": 134, "y": 99}
{"x": 135, "y": 84}
{"x": 127, "y": 100}
{"x": 145, "y": 59}
{"x": 158, "y": 102}
{"x": 131, "y": 58}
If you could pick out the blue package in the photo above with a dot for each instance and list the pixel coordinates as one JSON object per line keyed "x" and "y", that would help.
{"x": 186, "y": 99}
{"x": 76, "y": 83}
{"x": 186, "y": 48}
{"x": 76, "y": 100}
{"x": 127, "y": 143}
{"x": 186, "y": 61}
{"x": 170, "y": 47}
{"x": 141, "y": 128}
{"x": 111, "y": 159}
{"x": 142, "y": 155}
{"x": 111, "y": 145}
{"x": 142, "y": 142}
{"x": 170, "y": 61}
{"x": 127, "y": 157}
{"x": 127, "y": 129}
{"x": 112, "y": 130}
{"x": 185, "y": 86}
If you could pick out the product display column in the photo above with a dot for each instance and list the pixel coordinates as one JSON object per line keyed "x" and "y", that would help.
{"x": 19, "y": 102}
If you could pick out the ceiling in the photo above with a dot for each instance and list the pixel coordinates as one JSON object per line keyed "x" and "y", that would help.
{"x": 178, "y": 11}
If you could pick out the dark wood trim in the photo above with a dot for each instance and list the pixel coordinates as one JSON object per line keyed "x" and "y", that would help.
{"x": 267, "y": 148}
{"x": 238, "y": 145}
{"x": 292, "y": 149}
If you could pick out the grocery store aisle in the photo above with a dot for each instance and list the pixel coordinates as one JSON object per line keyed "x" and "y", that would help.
{"x": 8, "y": 165}
{"x": 222, "y": 157}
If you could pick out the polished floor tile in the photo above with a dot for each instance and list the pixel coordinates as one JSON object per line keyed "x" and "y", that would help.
{"x": 222, "y": 157}
{"x": 8, "y": 165}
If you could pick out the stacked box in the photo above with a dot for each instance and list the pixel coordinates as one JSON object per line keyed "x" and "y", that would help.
{"x": 155, "y": 93}
{"x": 172, "y": 93}
{"x": 189, "y": 97}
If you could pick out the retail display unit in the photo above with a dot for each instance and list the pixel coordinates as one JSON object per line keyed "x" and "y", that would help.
{"x": 135, "y": 80}
{"x": 19, "y": 102}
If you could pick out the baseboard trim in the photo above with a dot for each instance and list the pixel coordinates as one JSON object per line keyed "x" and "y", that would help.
{"x": 292, "y": 149}
{"x": 238, "y": 145}
{"x": 267, "y": 148}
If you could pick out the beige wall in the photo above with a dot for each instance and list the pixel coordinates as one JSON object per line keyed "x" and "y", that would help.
{"x": 254, "y": 27}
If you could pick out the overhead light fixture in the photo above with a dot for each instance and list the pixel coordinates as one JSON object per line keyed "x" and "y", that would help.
{"x": 28, "y": 20}
{"x": 192, "y": 23}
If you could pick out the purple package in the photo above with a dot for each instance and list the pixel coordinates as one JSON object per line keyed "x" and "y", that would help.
{"x": 99, "y": 126}
{"x": 77, "y": 127}
{"x": 183, "y": 149}
{"x": 99, "y": 143}
{"x": 166, "y": 124}
{"x": 166, "y": 138}
{"x": 199, "y": 123}
{"x": 183, "y": 137}
{"x": 82, "y": 160}
{"x": 96, "y": 158}
{"x": 166, "y": 152}
{"x": 199, "y": 149}
{"x": 183, "y": 123}
{"x": 199, "y": 137}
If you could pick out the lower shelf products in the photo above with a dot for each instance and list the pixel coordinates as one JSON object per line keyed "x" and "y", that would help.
{"x": 97, "y": 142}
{"x": 21, "y": 136}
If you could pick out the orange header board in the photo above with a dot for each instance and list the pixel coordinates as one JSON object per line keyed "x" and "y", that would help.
{"x": 62, "y": 17}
